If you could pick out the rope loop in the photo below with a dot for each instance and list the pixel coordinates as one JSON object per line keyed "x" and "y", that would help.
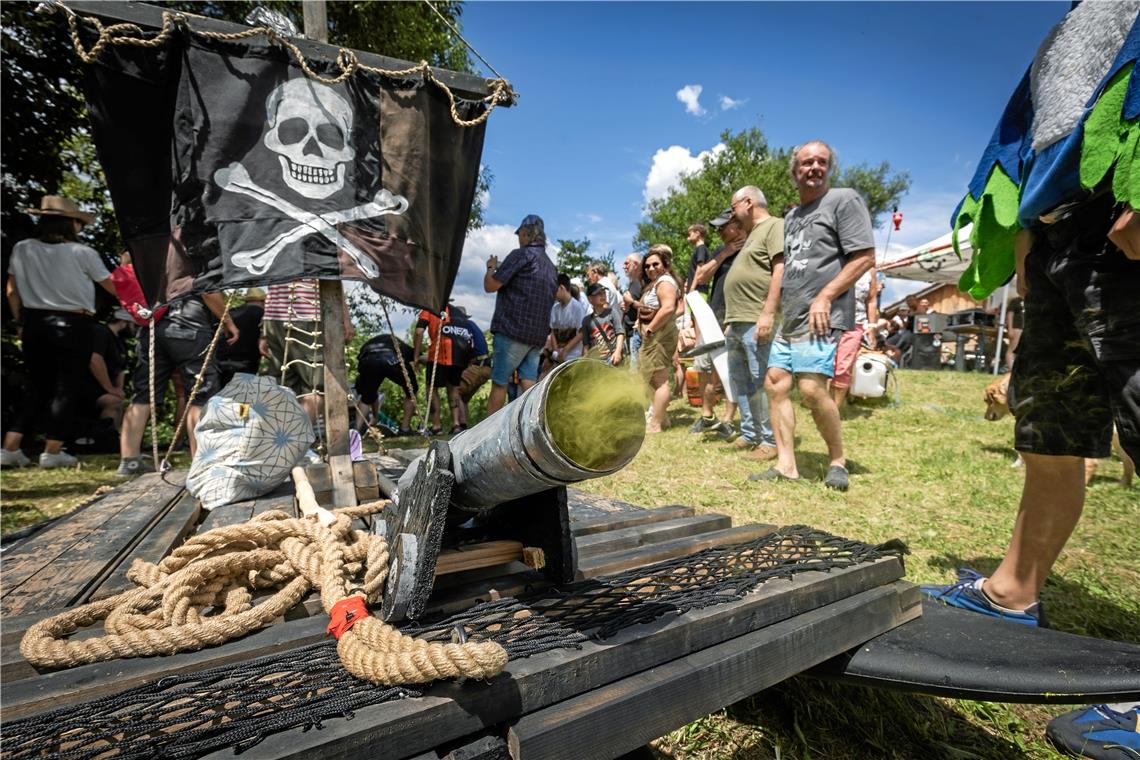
{"x": 202, "y": 595}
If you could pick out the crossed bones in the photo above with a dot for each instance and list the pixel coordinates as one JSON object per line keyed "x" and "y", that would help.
{"x": 236, "y": 179}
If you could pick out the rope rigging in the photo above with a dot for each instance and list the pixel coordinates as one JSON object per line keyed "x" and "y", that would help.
{"x": 346, "y": 61}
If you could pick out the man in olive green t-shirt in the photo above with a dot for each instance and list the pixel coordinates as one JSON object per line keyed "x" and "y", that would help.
{"x": 751, "y": 294}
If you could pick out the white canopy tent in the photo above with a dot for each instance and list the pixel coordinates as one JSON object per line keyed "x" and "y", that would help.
{"x": 936, "y": 261}
{"x": 933, "y": 262}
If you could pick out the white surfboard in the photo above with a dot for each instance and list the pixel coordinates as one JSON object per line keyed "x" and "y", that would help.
{"x": 708, "y": 331}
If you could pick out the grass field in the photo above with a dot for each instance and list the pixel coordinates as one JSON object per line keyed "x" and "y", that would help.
{"x": 930, "y": 471}
{"x": 934, "y": 473}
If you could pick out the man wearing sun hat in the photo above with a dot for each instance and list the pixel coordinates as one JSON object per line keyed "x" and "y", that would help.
{"x": 524, "y": 283}
{"x": 51, "y": 293}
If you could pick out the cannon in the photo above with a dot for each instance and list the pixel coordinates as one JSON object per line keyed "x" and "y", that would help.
{"x": 506, "y": 477}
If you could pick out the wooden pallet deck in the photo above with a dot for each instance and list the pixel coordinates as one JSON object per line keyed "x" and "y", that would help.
{"x": 606, "y": 697}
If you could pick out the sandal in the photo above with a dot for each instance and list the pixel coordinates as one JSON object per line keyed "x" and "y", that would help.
{"x": 771, "y": 474}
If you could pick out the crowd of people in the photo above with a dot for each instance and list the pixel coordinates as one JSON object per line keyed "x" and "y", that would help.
{"x": 542, "y": 318}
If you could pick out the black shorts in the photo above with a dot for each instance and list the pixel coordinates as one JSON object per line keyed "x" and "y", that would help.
{"x": 448, "y": 375}
{"x": 177, "y": 347}
{"x": 371, "y": 374}
{"x": 1078, "y": 363}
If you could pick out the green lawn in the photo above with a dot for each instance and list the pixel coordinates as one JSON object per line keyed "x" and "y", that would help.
{"x": 930, "y": 471}
{"x": 934, "y": 473}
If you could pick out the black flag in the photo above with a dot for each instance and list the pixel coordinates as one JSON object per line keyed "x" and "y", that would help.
{"x": 229, "y": 167}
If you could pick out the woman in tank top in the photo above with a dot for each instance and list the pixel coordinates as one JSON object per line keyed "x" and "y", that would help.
{"x": 658, "y": 328}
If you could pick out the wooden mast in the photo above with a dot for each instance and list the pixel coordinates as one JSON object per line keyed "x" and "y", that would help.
{"x": 332, "y": 335}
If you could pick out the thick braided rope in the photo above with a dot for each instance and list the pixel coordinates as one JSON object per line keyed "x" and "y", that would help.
{"x": 346, "y": 61}
{"x": 216, "y": 573}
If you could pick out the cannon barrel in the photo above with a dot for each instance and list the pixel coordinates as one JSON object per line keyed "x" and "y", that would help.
{"x": 584, "y": 420}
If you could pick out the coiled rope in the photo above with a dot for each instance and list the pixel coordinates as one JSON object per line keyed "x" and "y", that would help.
{"x": 202, "y": 595}
{"x": 346, "y": 61}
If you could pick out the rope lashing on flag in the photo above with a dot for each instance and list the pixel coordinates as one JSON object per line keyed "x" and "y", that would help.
{"x": 201, "y": 595}
{"x": 346, "y": 61}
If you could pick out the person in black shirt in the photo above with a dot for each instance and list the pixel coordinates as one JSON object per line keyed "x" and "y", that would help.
{"x": 631, "y": 302}
{"x": 243, "y": 356}
{"x": 103, "y": 390}
{"x": 697, "y": 235}
{"x": 378, "y": 360}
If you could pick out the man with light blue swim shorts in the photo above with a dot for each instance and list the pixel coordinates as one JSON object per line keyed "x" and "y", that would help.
{"x": 524, "y": 283}
{"x": 828, "y": 245}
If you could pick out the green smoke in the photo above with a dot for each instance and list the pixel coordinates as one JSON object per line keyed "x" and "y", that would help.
{"x": 596, "y": 414}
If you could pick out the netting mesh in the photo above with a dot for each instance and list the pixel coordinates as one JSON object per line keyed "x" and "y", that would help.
{"x": 238, "y": 705}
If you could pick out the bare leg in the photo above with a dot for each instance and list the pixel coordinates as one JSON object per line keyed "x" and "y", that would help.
{"x": 729, "y": 411}
{"x": 826, "y": 415}
{"x": 708, "y": 393}
{"x": 134, "y": 425}
{"x": 839, "y": 395}
{"x": 192, "y": 418}
{"x": 1051, "y": 504}
{"x": 311, "y": 403}
{"x": 52, "y": 446}
{"x": 409, "y": 408}
{"x": 12, "y": 440}
{"x": 497, "y": 398}
{"x": 778, "y": 386}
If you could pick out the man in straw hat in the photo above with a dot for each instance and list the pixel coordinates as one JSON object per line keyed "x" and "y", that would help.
{"x": 51, "y": 293}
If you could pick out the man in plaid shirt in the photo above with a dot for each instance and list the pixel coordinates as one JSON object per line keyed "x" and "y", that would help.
{"x": 525, "y": 283}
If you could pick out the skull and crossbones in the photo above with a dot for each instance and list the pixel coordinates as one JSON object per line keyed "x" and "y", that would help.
{"x": 309, "y": 128}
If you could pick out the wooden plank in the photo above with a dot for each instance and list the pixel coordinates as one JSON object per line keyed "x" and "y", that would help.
{"x": 26, "y": 559}
{"x": 655, "y": 533}
{"x": 70, "y": 576}
{"x": 594, "y": 505}
{"x": 86, "y": 682}
{"x": 590, "y": 525}
{"x": 678, "y": 547}
{"x": 229, "y": 514}
{"x": 450, "y": 711}
{"x": 336, "y": 384}
{"x": 280, "y": 498}
{"x": 530, "y": 683}
{"x": 624, "y": 715}
{"x": 175, "y": 525}
{"x": 475, "y": 556}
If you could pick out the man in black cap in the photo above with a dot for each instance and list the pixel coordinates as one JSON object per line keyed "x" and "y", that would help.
{"x": 524, "y": 283}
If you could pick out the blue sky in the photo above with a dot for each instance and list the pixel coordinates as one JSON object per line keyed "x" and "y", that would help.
{"x": 601, "y": 121}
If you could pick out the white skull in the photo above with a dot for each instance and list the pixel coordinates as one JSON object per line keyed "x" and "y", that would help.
{"x": 310, "y": 128}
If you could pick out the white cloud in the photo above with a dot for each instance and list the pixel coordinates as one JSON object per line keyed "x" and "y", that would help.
{"x": 690, "y": 95}
{"x": 727, "y": 103}
{"x": 593, "y": 218}
{"x": 669, "y": 164}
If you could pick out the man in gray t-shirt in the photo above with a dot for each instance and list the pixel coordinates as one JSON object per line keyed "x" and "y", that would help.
{"x": 828, "y": 245}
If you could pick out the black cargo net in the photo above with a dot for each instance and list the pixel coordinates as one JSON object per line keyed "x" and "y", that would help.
{"x": 238, "y": 705}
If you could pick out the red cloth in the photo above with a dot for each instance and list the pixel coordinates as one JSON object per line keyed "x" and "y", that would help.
{"x": 130, "y": 293}
{"x": 345, "y": 613}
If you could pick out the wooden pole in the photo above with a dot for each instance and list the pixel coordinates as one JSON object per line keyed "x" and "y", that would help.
{"x": 332, "y": 335}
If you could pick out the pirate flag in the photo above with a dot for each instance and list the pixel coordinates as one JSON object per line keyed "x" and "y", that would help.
{"x": 229, "y": 167}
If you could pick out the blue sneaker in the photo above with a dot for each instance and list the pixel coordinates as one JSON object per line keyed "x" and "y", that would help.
{"x": 967, "y": 594}
{"x": 1102, "y": 732}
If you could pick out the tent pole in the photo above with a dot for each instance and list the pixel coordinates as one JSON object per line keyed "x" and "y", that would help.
{"x": 332, "y": 335}
{"x": 1000, "y": 354}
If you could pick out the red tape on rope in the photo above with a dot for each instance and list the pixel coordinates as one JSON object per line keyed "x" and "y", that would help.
{"x": 345, "y": 613}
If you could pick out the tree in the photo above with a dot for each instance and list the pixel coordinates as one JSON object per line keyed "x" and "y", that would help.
{"x": 748, "y": 160}
{"x": 573, "y": 256}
